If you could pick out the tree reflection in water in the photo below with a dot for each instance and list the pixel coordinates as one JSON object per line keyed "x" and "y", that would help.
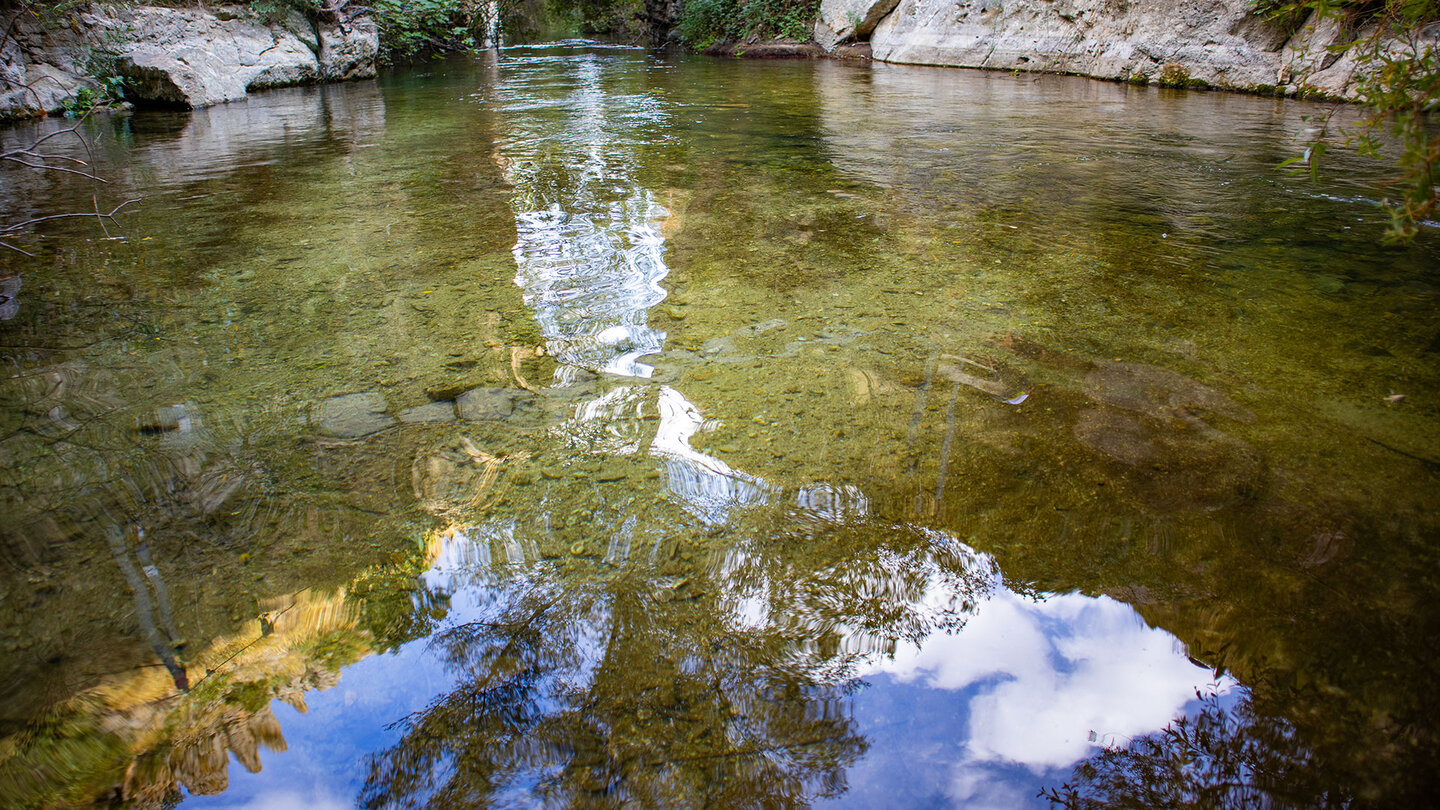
{"x": 1225, "y": 756}
{"x": 584, "y": 684}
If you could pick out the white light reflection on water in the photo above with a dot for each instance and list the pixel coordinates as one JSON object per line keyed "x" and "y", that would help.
{"x": 588, "y": 251}
{"x": 589, "y": 260}
{"x": 707, "y": 486}
{"x": 1035, "y": 685}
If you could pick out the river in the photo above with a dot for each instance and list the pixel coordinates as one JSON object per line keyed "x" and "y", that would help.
{"x": 588, "y": 427}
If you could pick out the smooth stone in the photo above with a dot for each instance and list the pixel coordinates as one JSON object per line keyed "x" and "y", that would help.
{"x": 430, "y": 412}
{"x": 1158, "y": 392}
{"x": 1118, "y": 436}
{"x": 352, "y": 415}
{"x": 1172, "y": 468}
{"x": 489, "y": 403}
{"x": 720, "y": 345}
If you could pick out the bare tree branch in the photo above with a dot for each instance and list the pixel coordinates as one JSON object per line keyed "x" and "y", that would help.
{"x": 29, "y": 157}
{"x": 86, "y": 214}
{"x": 44, "y": 167}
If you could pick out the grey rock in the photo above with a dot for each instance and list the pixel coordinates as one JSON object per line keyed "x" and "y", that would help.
{"x": 1158, "y": 393}
{"x": 353, "y": 415}
{"x": 350, "y": 51}
{"x": 429, "y": 413}
{"x": 1223, "y": 43}
{"x": 488, "y": 403}
{"x": 192, "y": 57}
{"x": 848, "y": 20}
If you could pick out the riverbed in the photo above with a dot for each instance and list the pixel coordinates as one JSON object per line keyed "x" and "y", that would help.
{"x": 581, "y": 426}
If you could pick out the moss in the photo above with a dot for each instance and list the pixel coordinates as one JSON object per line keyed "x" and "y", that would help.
{"x": 1174, "y": 74}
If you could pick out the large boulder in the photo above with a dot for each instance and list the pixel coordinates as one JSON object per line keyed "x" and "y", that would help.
{"x": 1219, "y": 43}
{"x": 349, "y": 50}
{"x": 843, "y": 21}
{"x": 189, "y": 57}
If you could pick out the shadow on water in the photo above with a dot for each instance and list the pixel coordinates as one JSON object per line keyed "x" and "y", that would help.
{"x": 687, "y": 432}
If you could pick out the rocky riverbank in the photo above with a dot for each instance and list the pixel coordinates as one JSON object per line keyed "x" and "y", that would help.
{"x": 1185, "y": 43}
{"x": 185, "y": 57}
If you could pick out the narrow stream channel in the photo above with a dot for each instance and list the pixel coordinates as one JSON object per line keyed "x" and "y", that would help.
{"x": 585, "y": 427}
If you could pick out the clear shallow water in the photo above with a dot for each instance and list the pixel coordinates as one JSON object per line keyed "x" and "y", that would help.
{"x": 586, "y": 428}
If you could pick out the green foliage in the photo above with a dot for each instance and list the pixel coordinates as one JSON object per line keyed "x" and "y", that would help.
{"x": 1399, "y": 83}
{"x": 336, "y": 650}
{"x": 110, "y": 93}
{"x": 705, "y": 22}
{"x": 274, "y": 11}
{"x": 413, "y": 27}
{"x": 610, "y": 18}
{"x": 540, "y": 21}
{"x": 396, "y": 604}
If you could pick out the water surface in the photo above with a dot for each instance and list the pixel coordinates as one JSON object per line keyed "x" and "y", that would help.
{"x": 584, "y": 427}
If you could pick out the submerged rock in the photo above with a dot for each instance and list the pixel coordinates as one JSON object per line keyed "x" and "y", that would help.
{"x": 1158, "y": 393}
{"x": 1153, "y": 421}
{"x": 166, "y": 419}
{"x": 1117, "y": 436}
{"x": 1173, "y": 467}
{"x": 489, "y": 404}
{"x": 444, "y": 391}
{"x": 429, "y": 413}
{"x": 353, "y": 415}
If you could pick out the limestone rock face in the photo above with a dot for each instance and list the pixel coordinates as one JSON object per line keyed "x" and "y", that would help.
{"x": 1221, "y": 43}
{"x": 190, "y": 57}
{"x": 844, "y": 21}
{"x": 349, "y": 51}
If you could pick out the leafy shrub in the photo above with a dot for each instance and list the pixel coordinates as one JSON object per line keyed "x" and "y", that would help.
{"x": 109, "y": 93}
{"x": 705, "y": 22}
{"x": 412, "y": 27}
{"x": 615, "y": 19}
{"x": 274, "y": 11}
{"x": 1398, "y": 62}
